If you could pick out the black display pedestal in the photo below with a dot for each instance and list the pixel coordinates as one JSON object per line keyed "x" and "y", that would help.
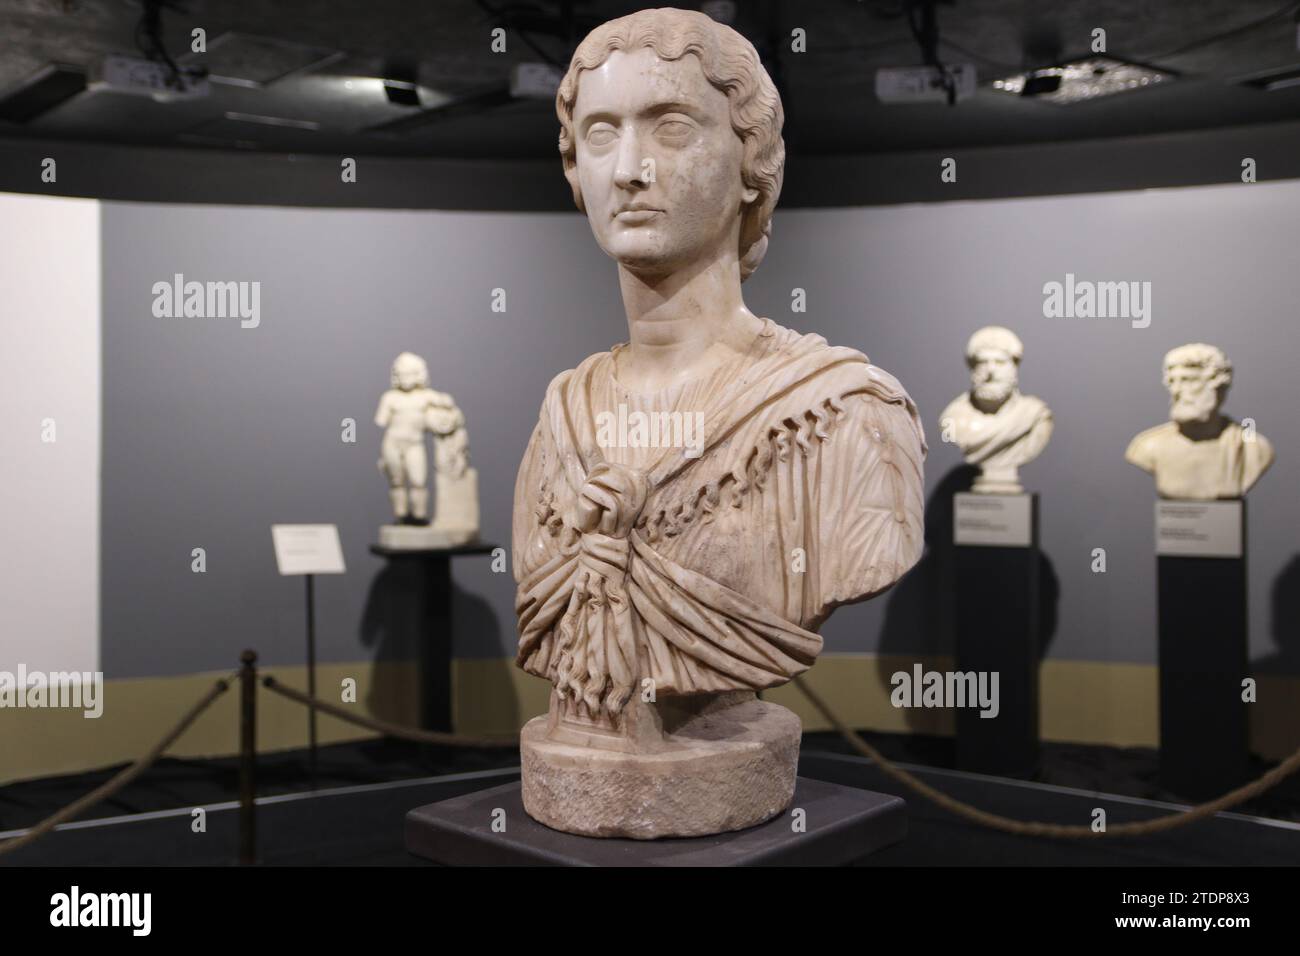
{"x": 997, "y": 617}
{"x": 431, "y": 625}
{"x": 1202, "y": 641}
{"x": 843, "y": 824}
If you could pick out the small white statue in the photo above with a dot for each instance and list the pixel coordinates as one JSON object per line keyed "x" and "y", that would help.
{"x": 1200, "y": 454}
{"x": 406, "y": 412}
{"x": 994, "y": 424}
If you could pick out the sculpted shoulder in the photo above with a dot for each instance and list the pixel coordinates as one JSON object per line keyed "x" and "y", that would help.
{"x": 562, "y": 380}
{"x": 1142, "y": 449}
{"x": 886, "y": 389}
{"x": 958, "y": 409}
{"x": 889, "y": 387}
{"x": 1037, "y": 405}
{"x": 1259, "y": 450}
{"x": 852, "y": 372}
{"x": 1265, "y": 447}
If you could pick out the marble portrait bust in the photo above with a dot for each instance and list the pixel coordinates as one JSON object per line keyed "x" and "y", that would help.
{"x": 661, "y": 583}
{"x": 995, "y": 425}
{"x": 1200, "y": 454}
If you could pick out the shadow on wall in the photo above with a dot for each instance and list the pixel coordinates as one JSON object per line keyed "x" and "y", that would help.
{"x": 487, "y": 695}
{"x": 395, "y": 621}
{"x": 1285, "y": 626}
{"x": 919, "y": 619}
{"x": 1275, "y": 716}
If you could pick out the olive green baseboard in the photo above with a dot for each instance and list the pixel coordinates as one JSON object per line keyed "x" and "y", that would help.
{"x": 1081, "y": 702}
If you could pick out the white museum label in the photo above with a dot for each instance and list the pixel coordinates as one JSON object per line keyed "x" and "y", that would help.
{"x": 307, "y": 548}
{"x": 998, "y": 521}
{"x": 1201, "y": 529}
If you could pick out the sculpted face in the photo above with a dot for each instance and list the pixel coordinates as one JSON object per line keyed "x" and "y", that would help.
{"x": 658, "y": 162}
{"x": 1193, "y": 393}
{"x": 409, "y": 373}
{"x": 993, "y": 375}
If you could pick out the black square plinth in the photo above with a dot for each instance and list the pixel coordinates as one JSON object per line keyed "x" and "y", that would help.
{"x": 999, "y": 630}
{"x": 1203, "y": 652}
{"x": 843, "y": 824}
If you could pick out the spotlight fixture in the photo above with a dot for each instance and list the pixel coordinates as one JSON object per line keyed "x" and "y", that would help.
{"x": 402, "y": 82}
{"x": 925, "y": 84}
{"x": 1080, "y": 80}
{"x": 1271, "y": 80}
{"x": 402, "y": 93}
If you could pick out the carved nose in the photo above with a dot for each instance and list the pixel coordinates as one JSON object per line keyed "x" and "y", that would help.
{"x": 629, "y": 171}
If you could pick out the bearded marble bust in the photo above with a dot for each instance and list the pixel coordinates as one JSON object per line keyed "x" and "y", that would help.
{"x": 661, "y": 582}
{"x": 1200, "y": 454}
{"x": 994, "y": 424}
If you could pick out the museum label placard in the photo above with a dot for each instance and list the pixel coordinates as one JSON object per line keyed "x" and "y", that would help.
{"x": 307, "y": 548}
{"x": 996, "y": 521}
{"x": 1199, "y": 529}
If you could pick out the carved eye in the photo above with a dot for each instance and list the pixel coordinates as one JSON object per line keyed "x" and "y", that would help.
{"x": 674, "y": 131}
{"x": 602, "y": 134}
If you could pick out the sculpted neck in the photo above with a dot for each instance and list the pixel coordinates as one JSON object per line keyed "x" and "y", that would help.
{"x": 1206, "y": 430}
{"x": 683, "y": 324}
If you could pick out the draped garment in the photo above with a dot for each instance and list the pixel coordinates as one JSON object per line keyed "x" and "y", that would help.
{"x": 710, "y": 569}
{"x": 1008, "y": 438}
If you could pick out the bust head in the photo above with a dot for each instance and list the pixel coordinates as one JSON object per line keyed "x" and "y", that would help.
{"x": 993, "y": 356}
{"x": 1197, "y": 376}
{"x": 670, "y": 134}
{"x": 409, "y": 371}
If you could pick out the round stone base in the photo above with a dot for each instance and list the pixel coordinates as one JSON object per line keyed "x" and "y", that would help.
{"x": 997, "y": 481}
{"x": 718, "y": 771}
{"x": 423, "y": 537}
{"x": 997, "y": 488}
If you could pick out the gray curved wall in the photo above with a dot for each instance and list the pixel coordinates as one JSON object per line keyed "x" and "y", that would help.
{"x": 212, "y": 432}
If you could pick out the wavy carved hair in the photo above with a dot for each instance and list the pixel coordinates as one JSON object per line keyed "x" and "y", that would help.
{"x": 1200, "y": 355}
{"x": 731, "y": 64}
{"x": 410, "y": 358}
{"x": 994, "y": 337}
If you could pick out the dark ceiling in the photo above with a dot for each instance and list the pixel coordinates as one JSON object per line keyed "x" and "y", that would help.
{"x": 341, "y": 47}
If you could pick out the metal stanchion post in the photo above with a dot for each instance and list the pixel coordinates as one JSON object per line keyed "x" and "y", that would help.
{"x": 311, "y": 681}
{"x": 247, "y": 758}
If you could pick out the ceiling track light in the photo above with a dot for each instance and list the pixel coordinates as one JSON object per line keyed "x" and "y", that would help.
{"x": 1272, "y": 80}
{"x": 1082, "y": 80}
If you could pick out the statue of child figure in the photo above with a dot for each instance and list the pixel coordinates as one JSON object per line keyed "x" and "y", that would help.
{"x": 406, "y": 411}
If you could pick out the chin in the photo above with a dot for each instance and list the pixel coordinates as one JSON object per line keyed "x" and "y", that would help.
{"x": 643, "y": 258}
{"x": 1191, "y": 416}
{"x": 993, "y": 394}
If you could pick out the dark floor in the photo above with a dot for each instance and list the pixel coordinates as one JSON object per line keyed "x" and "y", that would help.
{"x": 364, "y": 826}
{"x": 173, "y": 782}
{"x": 1123, "y": 771}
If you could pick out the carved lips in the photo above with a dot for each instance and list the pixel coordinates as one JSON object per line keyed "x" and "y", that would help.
{"x": 636, "y": 213}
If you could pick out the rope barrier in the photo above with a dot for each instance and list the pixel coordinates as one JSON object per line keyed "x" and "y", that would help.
{"x": 964, "y": 810}
{"x": 1054, "y": 830}
{"x": 128, "y": 774}
{"x": 384, "y": 727}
